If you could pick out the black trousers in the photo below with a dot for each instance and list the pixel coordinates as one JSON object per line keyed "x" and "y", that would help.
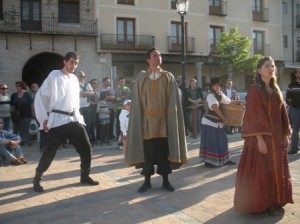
{"x": 156, "y": 151}
{"x": 76, "y": 133}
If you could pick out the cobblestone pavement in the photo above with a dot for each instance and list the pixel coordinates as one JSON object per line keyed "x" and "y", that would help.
{"x": 202, "y": 195}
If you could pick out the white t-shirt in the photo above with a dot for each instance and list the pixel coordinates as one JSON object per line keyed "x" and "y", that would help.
{"x": 86, "y": 87}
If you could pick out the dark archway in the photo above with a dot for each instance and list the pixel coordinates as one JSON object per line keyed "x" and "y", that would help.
{"x": 39, "y": 66}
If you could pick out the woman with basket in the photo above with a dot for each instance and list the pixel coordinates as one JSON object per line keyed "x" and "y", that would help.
{"x": 214, "y": 143}
{"x": 263, "y": 182}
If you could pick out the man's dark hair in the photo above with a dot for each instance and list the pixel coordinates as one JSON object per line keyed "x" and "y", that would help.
{"x": 70, "y": 55}
{"x": 105, "y": 78}
{"x": 121, "y": 78}
{"x": 147, "y": 56}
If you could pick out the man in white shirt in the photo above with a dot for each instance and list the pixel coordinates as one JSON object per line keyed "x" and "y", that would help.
{"x": 86, "y": 91}
{"x": 57, "y": 110}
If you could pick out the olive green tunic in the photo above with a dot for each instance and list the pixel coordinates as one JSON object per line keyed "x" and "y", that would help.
{"x": 156, "y": 112}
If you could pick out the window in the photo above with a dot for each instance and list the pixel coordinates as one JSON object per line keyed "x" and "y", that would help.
{"x": 68, "y": 11}
{"x": 125, "y": 30}
{"x": 257, "y": 5}
{"x": 173, "y": 4}
{"x": 214, "y": 35}
{"x": 284, "y": 8}
{"x": 258, "y": 42}
{"x": 126, "y": 2}
{"x": 216, "y": 3}
{"x": 1, "y": 10}
{"x": 285, "y": 41}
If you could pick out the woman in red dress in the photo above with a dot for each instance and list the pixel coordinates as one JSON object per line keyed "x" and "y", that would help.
{"x": 263, "y": 181}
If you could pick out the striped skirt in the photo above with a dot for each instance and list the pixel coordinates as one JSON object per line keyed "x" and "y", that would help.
{"x": 214, "y": 146}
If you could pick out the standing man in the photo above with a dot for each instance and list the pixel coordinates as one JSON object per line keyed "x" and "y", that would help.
{"x": 106, "y": 87}
{"x": 122, "y": 93}
{"x": 86, "y": 91}
{"x": 156, "y": 128}
{"x": 231, "y": 94}
{"x": 293, "y": 100}
{"x": 5, "y": 106}
{"x": 57, "y": 110}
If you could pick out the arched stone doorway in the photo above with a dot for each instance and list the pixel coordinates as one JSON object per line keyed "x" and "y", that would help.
{"x": 38, "y": 67}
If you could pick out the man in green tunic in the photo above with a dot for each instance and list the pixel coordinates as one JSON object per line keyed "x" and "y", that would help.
{"x": 156, "y": 127}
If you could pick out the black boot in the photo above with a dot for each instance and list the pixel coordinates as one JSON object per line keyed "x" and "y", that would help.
{"x": 86, "y": 179}
{"x": 146, "y": 185}
{"x": 36, "y": 182}
{"x": 166, "y": 184}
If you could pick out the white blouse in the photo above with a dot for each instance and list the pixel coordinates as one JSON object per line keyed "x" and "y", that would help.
{"x": 211, "y": 100}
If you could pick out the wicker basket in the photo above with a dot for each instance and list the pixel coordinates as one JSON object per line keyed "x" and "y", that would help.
{"x": 234, "y": 114}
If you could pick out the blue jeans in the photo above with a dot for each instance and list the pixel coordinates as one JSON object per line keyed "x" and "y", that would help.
{"x": 9, "y": 154}
{"x": 295, "y": 120}
{"x": 6, "y": 123}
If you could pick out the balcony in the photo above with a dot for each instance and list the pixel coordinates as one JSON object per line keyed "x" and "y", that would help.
{"x": 218, "y": 10}
{"x": 260, "y": 14}
{"x": 126, "y": 42}
{"x": 174, "y": 44}
{"x": 47, "y": 25}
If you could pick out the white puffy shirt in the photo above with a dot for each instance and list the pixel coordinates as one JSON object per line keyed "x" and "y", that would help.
{"x": 58, "y": 92}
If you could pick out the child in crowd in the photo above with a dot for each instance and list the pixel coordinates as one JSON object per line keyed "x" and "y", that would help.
{"x": 124, "y": 118}
{"x": 104, "y": 116}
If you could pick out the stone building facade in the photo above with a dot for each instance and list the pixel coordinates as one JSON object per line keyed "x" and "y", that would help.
{"x": 36, "y": 34}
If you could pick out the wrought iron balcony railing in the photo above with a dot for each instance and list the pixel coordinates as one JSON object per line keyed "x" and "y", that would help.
{"x": 174, "y": 44}
{"x": 126, "y": 42}
{"x": 260, "y": 14}
{"x": 218, "y": 10}
{"x": 12, "y": 23}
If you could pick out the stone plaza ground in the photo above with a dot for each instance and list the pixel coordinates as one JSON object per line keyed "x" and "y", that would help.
{"x": 202, "y": 195}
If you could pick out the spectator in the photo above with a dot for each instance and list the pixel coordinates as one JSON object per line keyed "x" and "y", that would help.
{"x": 10, "y": 148}
{"x": 94, "y": 100}
{"x": 5, "y": 106}
{"x": 104, "y": 118}
{"x": 233, "y": 95}
{"x": 122, "y": 93}
{"x": 22, "y": 102}
{"x": 106, "y": 87}
{"x": 194, "y": 98}
{"x": 124, "y": 118}
{"x": 293, "y": 100}
{"x": 86, "y": 91}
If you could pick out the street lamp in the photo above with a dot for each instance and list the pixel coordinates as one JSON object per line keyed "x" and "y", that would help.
{"x": 182, "y": 7}
{"x": 210, "y": 59}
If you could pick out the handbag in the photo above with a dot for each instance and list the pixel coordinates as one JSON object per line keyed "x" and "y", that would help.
{"x": 33, "y": 127}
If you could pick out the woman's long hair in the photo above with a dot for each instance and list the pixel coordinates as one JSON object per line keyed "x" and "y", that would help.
{"x": 273, "y": 81}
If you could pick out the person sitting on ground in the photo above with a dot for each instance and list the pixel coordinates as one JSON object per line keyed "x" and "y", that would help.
{"x": 10, "y": 147}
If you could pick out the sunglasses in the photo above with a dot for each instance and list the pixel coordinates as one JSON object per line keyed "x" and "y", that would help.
{"x": 4, "y": 88}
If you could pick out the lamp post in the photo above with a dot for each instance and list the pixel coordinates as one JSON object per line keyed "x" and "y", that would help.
{"x": 210, "y": 59}
{"x": 182, "y": 7}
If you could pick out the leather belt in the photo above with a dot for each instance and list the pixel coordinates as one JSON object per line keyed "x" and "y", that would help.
{"x": 64, "y": 112}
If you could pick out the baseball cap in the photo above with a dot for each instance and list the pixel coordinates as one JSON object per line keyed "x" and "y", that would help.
{"x": 126, "y": 102}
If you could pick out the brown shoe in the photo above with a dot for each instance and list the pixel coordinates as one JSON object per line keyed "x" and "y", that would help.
{"x": 15, "y": 162}
{"x": 23, "y": 160}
